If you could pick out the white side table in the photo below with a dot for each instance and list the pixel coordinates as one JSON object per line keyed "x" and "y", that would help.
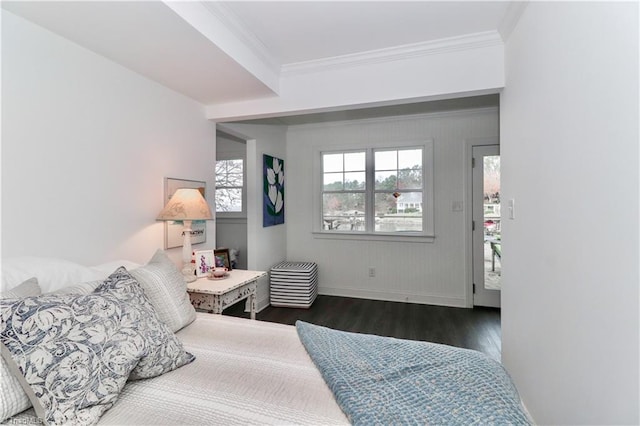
{"x": 216, "y": 295}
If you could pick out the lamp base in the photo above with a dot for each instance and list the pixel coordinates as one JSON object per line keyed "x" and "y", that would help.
{"x": 188, "y": 273}
{"x": 188, "y": 268}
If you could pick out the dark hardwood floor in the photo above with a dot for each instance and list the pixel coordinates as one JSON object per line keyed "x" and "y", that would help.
{"x": 477, "y": 328}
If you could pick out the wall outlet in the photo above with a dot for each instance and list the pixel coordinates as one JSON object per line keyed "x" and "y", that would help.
{"x": 372, "y": 272}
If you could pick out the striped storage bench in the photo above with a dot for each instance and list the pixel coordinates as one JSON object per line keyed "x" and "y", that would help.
{"x": 294, "y": 284}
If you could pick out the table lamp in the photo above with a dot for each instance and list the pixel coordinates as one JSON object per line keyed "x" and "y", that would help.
{"x": 186, "y": 205}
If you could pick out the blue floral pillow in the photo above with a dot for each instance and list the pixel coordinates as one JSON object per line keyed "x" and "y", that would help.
{"x": 74, "y": 353}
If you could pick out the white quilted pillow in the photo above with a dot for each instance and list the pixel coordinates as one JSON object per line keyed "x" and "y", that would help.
{"x": 13, "y": 399}
{"x": 166, "y": 288}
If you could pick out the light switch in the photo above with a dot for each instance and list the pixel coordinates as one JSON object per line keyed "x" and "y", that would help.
{"x": 511, "y": 205}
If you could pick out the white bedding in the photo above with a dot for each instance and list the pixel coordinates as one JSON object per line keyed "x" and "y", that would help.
{"x": 245, "y": 372}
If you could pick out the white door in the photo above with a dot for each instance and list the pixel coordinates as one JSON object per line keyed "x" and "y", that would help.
{"x": 487, "y": 247}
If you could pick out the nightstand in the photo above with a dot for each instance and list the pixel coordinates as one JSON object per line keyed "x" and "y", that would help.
{"x": 216, "y": 295}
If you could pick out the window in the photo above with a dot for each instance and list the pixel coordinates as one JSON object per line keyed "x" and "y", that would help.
{"x": 377, "y": 191}
{"x": 229, "y": 186}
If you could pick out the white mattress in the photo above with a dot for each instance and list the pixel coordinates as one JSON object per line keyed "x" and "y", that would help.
{"x": 245, "y": 372}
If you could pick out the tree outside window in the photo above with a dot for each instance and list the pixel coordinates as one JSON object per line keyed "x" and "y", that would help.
{"x": 229, "y": 185}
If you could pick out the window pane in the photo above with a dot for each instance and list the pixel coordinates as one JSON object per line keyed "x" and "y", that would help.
{"x": 234, "y": 179}
{"x": 332, "y": 163}
{"x": 343, "y": 212}
{"x": 229, "y": 200}
{"x": 234, "y": 166}
{"x": 354, "y": 161}
{"x": 355, "y": 180}
{"x": 409, "y": 158}
{"x": 410, "y": 178}
{"x": 333, "y": 181}
{"x": 386, "y": 180}
{"x": 229, "y": 180}
{"x": 221, "y": 166}
{"x": 229, "y": 166}
{"x": 385, "y": 204}
{"x": 386, "y": 160}
{"x": 401, "y": 214}
{"x": 221, "y": 173}
{"x": 229, "y": 172}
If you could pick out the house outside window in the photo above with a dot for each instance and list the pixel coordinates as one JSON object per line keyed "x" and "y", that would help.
{"x": 230, "y": 192}
{"x": 377, "y": 191}
{"x": 411, "y": 202}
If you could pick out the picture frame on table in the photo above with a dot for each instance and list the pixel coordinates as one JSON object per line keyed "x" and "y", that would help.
{"x": 222, "y": 258}
{"x": 204, "y": 262}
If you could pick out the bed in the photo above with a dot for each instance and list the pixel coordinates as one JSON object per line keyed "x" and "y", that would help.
{"x": 253, "y": 372}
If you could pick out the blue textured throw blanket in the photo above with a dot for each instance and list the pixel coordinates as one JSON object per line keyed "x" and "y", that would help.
{"x": 382, "y": 380}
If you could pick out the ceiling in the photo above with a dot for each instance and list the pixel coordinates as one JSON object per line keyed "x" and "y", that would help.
{"x": 230, "y": 51}
{"x": 308, "y": 30}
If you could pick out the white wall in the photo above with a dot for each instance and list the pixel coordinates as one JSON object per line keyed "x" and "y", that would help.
{"x": 265, "y": 246}
{"x": 569, "y": 128}
{"x": 405, "y": 271}
{"x": 86, "y": 144}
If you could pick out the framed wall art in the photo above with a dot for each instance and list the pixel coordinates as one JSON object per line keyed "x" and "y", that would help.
{"x": 173, "y": 229}
{"x": 272, "y": 191}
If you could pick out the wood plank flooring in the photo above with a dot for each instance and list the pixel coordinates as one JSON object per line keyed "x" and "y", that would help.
{"x": 477, "y": 328}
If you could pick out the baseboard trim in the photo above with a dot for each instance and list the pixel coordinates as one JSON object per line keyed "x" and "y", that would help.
{"x": 455, "y": 302}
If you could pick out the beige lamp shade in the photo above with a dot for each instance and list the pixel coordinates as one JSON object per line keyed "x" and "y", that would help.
{"x": 186, "y": 204}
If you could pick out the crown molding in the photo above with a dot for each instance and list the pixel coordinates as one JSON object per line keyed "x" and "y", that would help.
{"x": 239, "y": 30}
{"x": 407, "y": 51}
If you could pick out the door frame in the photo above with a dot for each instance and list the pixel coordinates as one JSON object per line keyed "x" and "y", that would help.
{"x": 468, "y": 211}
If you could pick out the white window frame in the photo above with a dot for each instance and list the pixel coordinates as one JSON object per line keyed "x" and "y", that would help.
{"x": 243, "y": 212}
{"x": 426, "y": 235}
